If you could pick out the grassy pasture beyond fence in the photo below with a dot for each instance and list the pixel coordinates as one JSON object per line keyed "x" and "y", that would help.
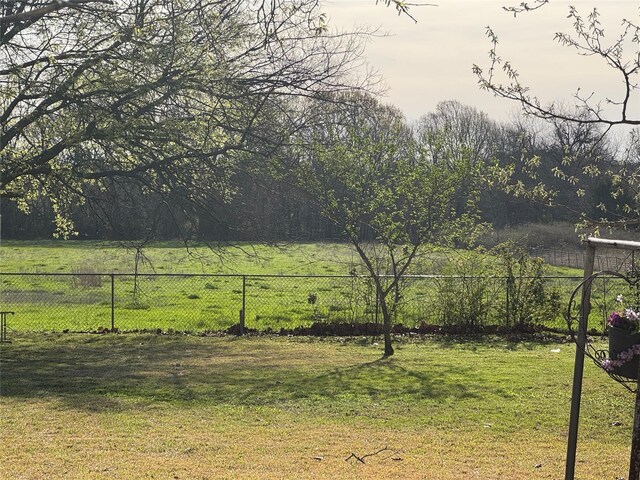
{"x": 200, "y": 303}
{"x": 57, "y": 286}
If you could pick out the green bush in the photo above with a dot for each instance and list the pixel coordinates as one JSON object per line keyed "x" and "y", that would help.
{"x": 529, "y": 300}
{"x": 463, "y": 300}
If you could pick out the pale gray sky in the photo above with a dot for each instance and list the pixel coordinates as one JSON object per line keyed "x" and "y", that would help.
{"x": 431, "y": 61}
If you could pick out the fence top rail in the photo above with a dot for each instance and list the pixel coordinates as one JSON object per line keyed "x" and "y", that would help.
{"x": 131, "y": 274}
{"x": 271, "y": 275}
{"x": 575, "y": 253}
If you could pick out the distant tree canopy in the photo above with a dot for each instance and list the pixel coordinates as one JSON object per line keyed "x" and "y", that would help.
{"x": 523, "y": 160}
{"x": 154, "y": 97}
{"x": 168, "y": 118}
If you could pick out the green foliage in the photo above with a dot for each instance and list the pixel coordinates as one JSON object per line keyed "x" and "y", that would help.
{"x": 464, "y": 299}
{"x": 365, "y": 170}
{"x": 588, "y": 163}
{"x": 507, "y": 288}
{"x": 530, "y": 300}
{"x": 153, "y": 97}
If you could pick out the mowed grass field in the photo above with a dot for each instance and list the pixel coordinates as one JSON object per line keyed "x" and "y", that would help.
{"x": 131, "y": 406}
{"x": 82, "y": 302}
{"x": 275, "y": 296}
{"x": 68, "y": 256}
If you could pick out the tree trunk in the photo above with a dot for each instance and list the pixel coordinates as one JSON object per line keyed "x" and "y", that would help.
{"x": 386, "y": 315}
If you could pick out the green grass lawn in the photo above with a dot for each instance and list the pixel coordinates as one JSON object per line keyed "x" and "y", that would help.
{"x": 60, "y": 256}
{"x": 81, "y": 303}
{"x": 147, "y": 406}
{"x": 78, "y": 302}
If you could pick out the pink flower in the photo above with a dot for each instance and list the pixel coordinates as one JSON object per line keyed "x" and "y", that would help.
{"x": 631, "y": 315}
{"x": 615, "y": 319}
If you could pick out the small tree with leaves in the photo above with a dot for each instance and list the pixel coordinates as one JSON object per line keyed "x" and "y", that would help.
{"x": 362, "y": 167}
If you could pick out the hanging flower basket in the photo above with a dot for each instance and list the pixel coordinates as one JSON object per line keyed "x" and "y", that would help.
{"x": 624, "y": 342}
{"x": 622, "y": 359}
{"x": 624, "y": 350}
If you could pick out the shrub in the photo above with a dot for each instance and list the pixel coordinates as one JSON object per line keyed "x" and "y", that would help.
{"x": 529, "y": 300}
{"x": 463, "y": 297}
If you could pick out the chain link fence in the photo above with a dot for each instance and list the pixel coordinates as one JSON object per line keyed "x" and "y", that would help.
{"x": 612, "y": 260}
{"x": 209, "y": 303}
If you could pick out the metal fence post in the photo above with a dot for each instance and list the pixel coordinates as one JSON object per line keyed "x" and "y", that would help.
{"x": 113, "y": 302}
{"x": 634, "y": 463}
{"x": 377, "y": 306}
{"x": 3, "y": 326}
{"x": 244, "y": 303}
{"x": 604, "y": 303}
{"x": 508, "y": 301}
{"x": 578, "y": 369}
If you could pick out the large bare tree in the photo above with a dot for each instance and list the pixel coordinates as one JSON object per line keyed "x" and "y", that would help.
{"x": 162, "y": 93}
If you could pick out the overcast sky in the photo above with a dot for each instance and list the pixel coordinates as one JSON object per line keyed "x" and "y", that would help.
{"x": 429, "y": 61}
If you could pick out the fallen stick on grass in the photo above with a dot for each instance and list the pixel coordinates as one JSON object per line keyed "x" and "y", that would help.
{"x": 361, "y": 458}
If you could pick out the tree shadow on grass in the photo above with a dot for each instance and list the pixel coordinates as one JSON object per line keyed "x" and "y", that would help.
{"x": 120, "y": 372}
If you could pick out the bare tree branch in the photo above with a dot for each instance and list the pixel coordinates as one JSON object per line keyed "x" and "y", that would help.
{"x": 589, "y": 40}
{"x": 360, "y": 458}
{"x": 403, "y": 7}
{"x": 526, "y": 7}
{"x": 39, "y": 12}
